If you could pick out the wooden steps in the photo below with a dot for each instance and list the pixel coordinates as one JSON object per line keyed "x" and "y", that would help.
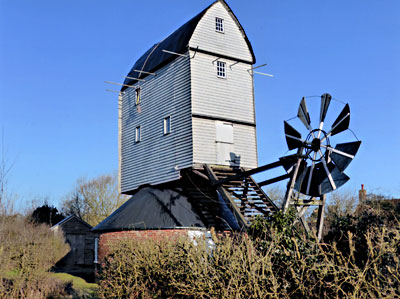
{"x": 249, "y": 198}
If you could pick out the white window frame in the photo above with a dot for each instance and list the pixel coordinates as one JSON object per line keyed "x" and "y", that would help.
{"x": 96, "y": 250}
{"x": 219, "y": 25}
{"x": 167, "y": 130}
{"x": 221, "y": 69}
{"x": 138, "y": 134}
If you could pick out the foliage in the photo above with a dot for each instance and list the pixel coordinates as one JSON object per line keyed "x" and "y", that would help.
{"x": 46, "y": 214}
{"x": 77, "y": 286}
{"x": 27, "y": 252}
{"x": 341, "y": 204}
{"x": 367, "y": 221}
{"x": 274, "y": 261}
{"x": 94, "y": 200}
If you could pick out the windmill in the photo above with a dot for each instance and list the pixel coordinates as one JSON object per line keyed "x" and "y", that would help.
{"x": 317, "y": 168}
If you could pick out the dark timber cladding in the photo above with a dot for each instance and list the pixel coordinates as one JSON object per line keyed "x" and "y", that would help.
{"x": 177, "y": 42}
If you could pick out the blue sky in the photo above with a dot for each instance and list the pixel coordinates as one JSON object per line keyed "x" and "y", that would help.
{"x": 59, "y": 123}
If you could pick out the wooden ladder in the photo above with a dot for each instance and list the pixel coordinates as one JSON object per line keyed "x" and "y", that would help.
{"x": 248, "y": 197}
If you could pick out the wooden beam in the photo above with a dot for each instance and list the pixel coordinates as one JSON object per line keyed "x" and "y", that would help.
{"x": 321, "y": 214}
{"x": 307, "y": 202}
{"x": 247, "y": 173}
{"x": 226, "y": 196}
{"x": 274, "y": 180}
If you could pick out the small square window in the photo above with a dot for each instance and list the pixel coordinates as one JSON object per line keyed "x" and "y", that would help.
{"x": 221, "y": 69}
{"x": 138, "y": 134}
{"x": 219, "y": 24}
{"x": 167, "y": 125}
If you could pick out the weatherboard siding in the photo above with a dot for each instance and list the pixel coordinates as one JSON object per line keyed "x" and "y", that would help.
{"x": 230, "y": 97}
{"x": 230, "y": 43}
{"x": 189, "y": 90}
{"x": 205, "y": 145}
{"x": 156, "y": 158}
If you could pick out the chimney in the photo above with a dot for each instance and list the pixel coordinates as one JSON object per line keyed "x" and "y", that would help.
{"x": 362, "y": 194}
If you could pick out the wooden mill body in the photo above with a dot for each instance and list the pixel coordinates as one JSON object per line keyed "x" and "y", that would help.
{"x": 212, "y": 117}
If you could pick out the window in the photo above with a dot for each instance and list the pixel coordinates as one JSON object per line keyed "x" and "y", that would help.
{"x": 137, "y": 96}
{"x": 138, "y": 135}
{"x": 96, "y": 250}
{"x": 221, "y": 69}
{"x": 219, "y": 24}
{"x": 167, "y": 125}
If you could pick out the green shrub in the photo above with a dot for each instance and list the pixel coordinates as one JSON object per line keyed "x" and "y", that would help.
{"x": 27, "y": 252}
{"x": 287, "y": 265}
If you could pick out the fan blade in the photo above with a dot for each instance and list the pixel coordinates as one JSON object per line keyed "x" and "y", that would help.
{"x": 288, "y": 162}
{"x": 344, "y": 153}
{"x": 338, "y": 177}
{"x": 342, "y": 122}
{"x": 320, "y": 181}
{"x": 293, "y": 138}
{"x": 325, "y": 101}
{"x": 302, "y": 113}
{"x": 328, "y": 174}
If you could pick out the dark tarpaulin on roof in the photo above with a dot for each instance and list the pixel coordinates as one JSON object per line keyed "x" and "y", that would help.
{"x": 155, "y": 58}
{"x": 177, "y": 42}
{"x": 152, "y": 208}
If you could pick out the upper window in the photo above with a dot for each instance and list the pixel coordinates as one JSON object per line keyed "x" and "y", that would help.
{"x": 137, "y": 95}
{"x": 167, "y": 125}
{"x": 138, "y": 134}
{"x": 219, "y": 24}
{"x": 221, "y": 69}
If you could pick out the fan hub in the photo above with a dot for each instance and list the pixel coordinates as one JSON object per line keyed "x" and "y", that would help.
{"x": 315, "y": 139}
{"x": 316, "y": 144}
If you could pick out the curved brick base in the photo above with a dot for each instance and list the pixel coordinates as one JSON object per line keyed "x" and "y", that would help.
{"x": 106, "y": 239}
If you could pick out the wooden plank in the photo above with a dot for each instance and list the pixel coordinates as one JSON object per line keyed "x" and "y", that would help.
{"x": 226, "y": 196}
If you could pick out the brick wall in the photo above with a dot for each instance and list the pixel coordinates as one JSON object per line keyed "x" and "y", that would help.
{"x": 108, "y": 238}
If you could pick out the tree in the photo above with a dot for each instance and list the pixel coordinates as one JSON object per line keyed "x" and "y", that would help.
{"x": 94, "y": 200}
{"x": 46, "y": 214}
{"x": 341, "y": 204}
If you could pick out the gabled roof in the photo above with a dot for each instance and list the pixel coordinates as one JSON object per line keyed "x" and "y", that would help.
{"x": 177, "y": 42}
{"x": 70, "y": 217}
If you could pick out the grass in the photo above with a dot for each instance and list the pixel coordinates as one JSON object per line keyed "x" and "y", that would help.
{"x": 82, "y": 288}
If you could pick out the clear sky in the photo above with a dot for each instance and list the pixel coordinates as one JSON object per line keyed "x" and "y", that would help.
{"x": 59, "y": 123}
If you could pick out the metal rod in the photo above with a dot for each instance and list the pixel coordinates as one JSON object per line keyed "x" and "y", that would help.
{"x": 264, "y": 74}
{"x": 144, "y": 72}
{"x": 216, "y": 60}
{"x": 331, "y": 149}
{"x": 195, "y": 51}
{"x": 170, "y": 52}
{"x": 256, "y": 67}
{"x": 330, "y": 131}
{"x": 311, "y": 173}
{"x": 233, "y": 64}
{"x": 134, "y": 78}
{"x": 108, "y": 82}
{"x": 327, "y": 171}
